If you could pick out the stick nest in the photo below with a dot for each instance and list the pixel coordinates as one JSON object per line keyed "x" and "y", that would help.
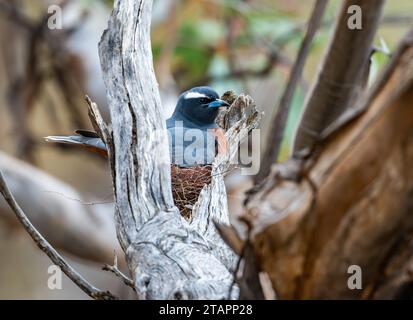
{"x": 187, "y": 184}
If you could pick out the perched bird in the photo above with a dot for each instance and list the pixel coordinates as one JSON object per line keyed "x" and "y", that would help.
{"x": 194, "y": 137}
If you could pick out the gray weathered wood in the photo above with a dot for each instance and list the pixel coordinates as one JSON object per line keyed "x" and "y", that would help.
{"x": 168, "y": 257}
{"x": 212, "y": 203}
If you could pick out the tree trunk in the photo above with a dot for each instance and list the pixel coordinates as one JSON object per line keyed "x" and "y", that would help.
{"x": 350, "y": 203}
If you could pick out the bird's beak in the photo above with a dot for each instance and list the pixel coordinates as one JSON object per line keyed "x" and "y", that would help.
{"x": 218, "y": 103}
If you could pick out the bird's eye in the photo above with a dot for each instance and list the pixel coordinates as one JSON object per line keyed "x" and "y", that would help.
{"x": 204, "y": 100}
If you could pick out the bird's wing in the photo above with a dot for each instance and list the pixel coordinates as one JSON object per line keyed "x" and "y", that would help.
{"x": 88, "y": 141}
{"x": 87, "y": 133}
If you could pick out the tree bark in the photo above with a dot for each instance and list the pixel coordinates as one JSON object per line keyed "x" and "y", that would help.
{"x": 350, "y": 203}
{"x": 339, "y": 80}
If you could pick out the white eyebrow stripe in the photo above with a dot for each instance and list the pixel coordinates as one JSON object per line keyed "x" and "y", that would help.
{"x": 192, "y": 95}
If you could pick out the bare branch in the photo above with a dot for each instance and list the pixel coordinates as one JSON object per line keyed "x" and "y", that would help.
{"x": 339, "y": 80}
{"x": 97, "y": 120}
{"x": 363, "y": 103}
{"x": 49, "y": 250}
{"x": 279, "y": 122}
{"x": 80, "y": 226}
{"x": 115, "y": 270}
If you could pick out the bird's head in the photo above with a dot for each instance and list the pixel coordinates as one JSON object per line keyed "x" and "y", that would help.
{"x": 200, "y": 105}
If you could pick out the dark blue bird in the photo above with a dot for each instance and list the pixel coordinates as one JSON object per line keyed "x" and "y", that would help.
{"x": 194, "y": 137}
{"x": 192, "y": 131}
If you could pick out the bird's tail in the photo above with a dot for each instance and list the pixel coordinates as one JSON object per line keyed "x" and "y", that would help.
{"x": 85, "y": 139}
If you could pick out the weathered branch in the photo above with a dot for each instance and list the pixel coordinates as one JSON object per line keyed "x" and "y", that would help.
{"x": 115, "y": 270}
{"x": 349, "y": 203}
{"x": 279, "y": 122}
{"x": 212, "y": 208}
{"x": 339, "y": 81}
{"x": 80, "y": 227}
{"x": 43, "y": 245}
{"x": 97, "y": 121}
{"x": 364, "y": 102}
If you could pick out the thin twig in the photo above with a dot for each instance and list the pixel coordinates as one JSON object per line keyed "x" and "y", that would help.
{"x": 115, "y": 270}
{"x": 237, "y": 268}
{"x": 97, "y": 120}
{"x": 83, "y": 203}
{"x": 42, "y": 243}
{"x": 280, "y": 120}
{"x": 242, "y": 254}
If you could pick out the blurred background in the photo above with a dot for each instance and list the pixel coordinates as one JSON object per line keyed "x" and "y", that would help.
{"x": 248, "y": 46}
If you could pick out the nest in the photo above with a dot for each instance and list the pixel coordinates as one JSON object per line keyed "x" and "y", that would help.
{"x": 187, "y": 184}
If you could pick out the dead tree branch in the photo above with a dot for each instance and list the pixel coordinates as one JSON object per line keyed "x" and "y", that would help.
{"x": 70, "y": 222}
{"x": 43, "y": 245}
{"x": 279, "y": 122}
{"x": 115, "y": 270}
{"x": 339, "y": 81}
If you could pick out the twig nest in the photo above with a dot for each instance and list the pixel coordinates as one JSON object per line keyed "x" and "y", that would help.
{"x": 187, "y": 184}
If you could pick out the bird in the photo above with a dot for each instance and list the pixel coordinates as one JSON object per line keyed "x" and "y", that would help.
{"x": 193, "y": 135}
